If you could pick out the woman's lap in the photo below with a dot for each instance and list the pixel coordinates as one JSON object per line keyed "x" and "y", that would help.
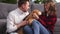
{"x": 38, "y": 28}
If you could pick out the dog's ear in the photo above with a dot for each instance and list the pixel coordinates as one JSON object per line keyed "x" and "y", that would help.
{"x": 39, "y": 13}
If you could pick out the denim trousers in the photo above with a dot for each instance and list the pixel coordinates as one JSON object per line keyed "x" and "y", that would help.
{"x": 38, "y": 28}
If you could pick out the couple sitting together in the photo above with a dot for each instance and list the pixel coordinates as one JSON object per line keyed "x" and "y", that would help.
{"x": 36, "y": 22}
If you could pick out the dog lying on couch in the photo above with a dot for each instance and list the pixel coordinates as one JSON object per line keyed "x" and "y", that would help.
{"x": 33, "y": 15}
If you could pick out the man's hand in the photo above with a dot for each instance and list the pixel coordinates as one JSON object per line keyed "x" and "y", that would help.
{"x": 22, "y": 24}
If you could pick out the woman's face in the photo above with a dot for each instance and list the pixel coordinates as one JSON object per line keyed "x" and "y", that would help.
{"x": 47, "y": 5}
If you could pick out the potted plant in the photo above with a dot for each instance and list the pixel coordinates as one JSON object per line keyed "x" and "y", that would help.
{"x": 39, "y": 1}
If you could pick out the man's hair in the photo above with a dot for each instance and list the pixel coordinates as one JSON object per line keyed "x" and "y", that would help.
{"x": 21, "y": 2}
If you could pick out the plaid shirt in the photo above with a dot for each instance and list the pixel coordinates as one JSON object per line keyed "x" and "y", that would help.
{"x": 48, "y": 22}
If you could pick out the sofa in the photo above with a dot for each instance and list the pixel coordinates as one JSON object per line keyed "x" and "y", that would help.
{"x": 6, "y": 8}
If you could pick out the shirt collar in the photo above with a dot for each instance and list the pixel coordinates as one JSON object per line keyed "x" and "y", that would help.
{"x": 21, "y": 12}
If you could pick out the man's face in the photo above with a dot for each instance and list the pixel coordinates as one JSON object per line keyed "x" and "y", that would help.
{"x": 25, "y": 6}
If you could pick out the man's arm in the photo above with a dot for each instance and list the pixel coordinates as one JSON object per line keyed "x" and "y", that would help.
{"x": 10, "y": 23}
{"x": 11, "y": 26}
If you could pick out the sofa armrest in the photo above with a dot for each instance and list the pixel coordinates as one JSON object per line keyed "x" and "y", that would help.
{"x": 3, "y": 20}
{"x": 2, "y": 26}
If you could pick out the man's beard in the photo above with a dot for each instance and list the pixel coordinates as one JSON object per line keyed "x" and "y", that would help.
{"x": 25, "y": 10}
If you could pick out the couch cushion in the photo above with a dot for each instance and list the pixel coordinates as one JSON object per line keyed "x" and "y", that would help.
{"x": 58, "y": 22}
{"x": 11, "y": 7}
{"x": 58, "y": 9}
{"x": 57, "y": 27}
{"x": 5, "y": 8}
{"x": 2, "y": 26}
{"x": 37, "y": 6}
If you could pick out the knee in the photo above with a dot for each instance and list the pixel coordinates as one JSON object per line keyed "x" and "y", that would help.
{"x": 27, "y": 28}
{"x": 35, "y": 22}
{"x": 35, "y": 25}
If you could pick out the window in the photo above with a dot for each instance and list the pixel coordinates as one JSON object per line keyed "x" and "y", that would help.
{"x": 57, "y": 1}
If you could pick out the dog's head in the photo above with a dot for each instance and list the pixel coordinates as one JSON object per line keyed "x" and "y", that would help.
{"x": 36, "y": 11}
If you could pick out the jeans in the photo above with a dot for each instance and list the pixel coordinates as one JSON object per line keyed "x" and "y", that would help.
{"x": 28, "y": 30}
{"x": 38, "y": 28}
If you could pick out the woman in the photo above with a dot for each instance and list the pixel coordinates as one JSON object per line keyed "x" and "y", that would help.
{"x": 49, "y": 18}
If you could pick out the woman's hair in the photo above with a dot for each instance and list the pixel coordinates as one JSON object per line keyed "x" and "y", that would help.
{"x": 21, "y": 2}
{"x": 52, "y": 7}
{"x": 52, "y": 10}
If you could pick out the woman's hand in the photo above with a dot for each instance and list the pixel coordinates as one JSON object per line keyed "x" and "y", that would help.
{"x": 35, "y": 16}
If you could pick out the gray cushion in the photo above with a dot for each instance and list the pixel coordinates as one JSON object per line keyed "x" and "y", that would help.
{"x": 11, "y": 7}
{"x": 37, "y": 6}
{"x": 2, "y": 26}
{"x": 57, "y": 27}
{"x": 58, "y": 9}
{"x": 5, "y": 9}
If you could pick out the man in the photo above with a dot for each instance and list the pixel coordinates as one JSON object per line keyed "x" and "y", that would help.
{"x": 15, "y": 17}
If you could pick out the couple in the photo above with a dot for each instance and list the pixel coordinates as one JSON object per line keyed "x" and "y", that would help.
{"x": 39, "y": 26}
